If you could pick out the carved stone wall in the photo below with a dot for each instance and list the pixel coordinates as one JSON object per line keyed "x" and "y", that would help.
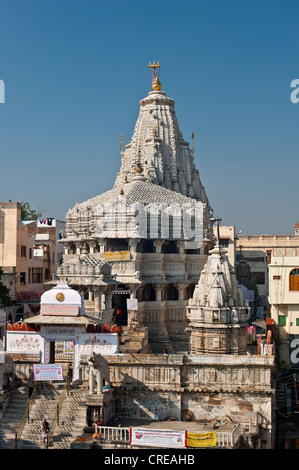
{"x": 211, "y": 387}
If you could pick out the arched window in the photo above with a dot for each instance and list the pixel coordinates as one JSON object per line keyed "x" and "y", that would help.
{"x": 294, "y": 279}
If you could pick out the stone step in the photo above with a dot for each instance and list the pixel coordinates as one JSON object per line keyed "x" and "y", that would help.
{"x": 72, "y": 418}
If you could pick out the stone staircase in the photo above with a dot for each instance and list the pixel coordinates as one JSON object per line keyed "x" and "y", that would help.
{"x": 72, "y": 418}
{"x": 13, "y": 417}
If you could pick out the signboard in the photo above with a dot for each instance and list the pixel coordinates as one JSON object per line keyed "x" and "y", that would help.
{"x": 156, "y": 438}
{"x": 117, "y": 255}
{"x": 2, "y": 316}
{"x": 132, "y": 304}
{"x": 207, "y": 439}
{"x": 47, "y": 372}
{"x": 65, "y": 310}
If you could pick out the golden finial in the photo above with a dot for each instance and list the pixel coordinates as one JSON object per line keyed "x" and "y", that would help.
{"x": 156, "y": 85}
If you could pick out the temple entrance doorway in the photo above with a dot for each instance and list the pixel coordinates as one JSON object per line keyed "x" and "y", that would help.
{"x": 119, "y": 302}
{"x": 52, "y": 352}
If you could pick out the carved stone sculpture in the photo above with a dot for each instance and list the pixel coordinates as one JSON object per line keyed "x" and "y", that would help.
{"x": 98, "y": 371}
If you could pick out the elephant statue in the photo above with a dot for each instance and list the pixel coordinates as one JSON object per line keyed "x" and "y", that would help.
{"x": 98, "y": 370}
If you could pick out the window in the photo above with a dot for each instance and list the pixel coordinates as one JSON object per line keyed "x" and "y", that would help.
{"x": 294, "y": 279}
{"x": 224, "y": 242}
{"x": 282, "y": 320}
{"x": 47, "y": 274}
{"x": 30, "y": 253}
{"x": 23, "y": 251}
{"x": 297, "y": 321}
{"x": 259, "y": 277}
{"x": 37, "y": 275}
{"x": 22, "y": 278}
{"x": 269, "y": 255}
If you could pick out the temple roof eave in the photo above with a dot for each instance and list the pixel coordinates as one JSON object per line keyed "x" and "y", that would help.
{"x": 81, "y": 320}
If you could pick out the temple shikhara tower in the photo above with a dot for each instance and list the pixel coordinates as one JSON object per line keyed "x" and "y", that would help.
{"x": 156, "y": 256}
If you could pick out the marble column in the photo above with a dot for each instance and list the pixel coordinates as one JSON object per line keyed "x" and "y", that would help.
{"x": 158, "y": 245}
{"x": 158, "y": 289}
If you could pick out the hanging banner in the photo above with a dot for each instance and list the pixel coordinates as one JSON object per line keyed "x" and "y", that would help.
{"x": 47, "y": 372}
{"x": 147, "y": 437}
{"x": 207, "y": 439}
{"x": 117, "y": 255}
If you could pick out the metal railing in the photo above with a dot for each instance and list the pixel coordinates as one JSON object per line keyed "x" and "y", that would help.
{"x": 25, "y": 418}
{"x": 112, "y": 434}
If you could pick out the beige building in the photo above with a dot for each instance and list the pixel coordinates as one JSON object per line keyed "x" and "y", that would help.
{"x": 227, "y": 241}
{"x": 258, "y": 250}
{"x": 47, "y": 247}
{"x": 284, "y": 300}
{"x": 13, "y": 243}
{"x": 26, "y": 268}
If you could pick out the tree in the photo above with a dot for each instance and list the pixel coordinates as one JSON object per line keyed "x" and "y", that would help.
{"x": 30, "y": 214}
{"x": 5, "y": 300}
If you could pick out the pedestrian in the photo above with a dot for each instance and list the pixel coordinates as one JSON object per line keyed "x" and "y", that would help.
{"x": 45, "y": 430}
{"x": 31, "y": 384}
{"x": 119, "y": 316}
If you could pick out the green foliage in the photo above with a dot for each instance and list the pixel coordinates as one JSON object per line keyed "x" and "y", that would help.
{"x": 4, "y": 293}
{"x": 30, "y": 214}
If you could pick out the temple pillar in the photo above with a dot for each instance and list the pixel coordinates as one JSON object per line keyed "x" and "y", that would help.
{"x": 158, "y": 245}
{"x": 133, "y": 246}
{"x": 181, "y": 246}
{"x": 78, "y": 247}
{"x": 102, "y": 242}
{"x": 92, "y": 246}
{"x": 67, "y": 248}
{"x": 108, "y": 300}
{"x": 97, "y": 302}
{"x": 181, "y": 291}
{"x": 158, "y": 290}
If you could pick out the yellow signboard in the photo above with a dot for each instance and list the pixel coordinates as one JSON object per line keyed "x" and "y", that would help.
{"x": 116, "y": 255}
{"x": 207, "y": 439}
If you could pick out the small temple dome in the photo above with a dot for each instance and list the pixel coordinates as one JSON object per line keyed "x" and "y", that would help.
{"x": 62, "y": 294}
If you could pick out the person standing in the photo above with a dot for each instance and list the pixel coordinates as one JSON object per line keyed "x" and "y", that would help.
{"x": 31, "y": 384}
{"x": 45, "y": 430}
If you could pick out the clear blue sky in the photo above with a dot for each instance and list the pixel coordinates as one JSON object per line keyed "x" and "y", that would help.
{"x": 75, "y": 71}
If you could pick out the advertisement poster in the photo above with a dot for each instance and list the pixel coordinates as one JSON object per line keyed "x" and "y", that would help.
{"x": 68, "y": 347}
{"x": 155, "y": 438}
{"x": 207, "y": 439}
{"x": 47, "y": 372}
